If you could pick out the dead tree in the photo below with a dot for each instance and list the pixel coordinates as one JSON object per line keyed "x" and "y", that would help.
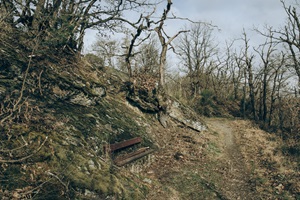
{"x": 248, "y": 59}
{"x": 289, "y": 36}
{"x": 196, "y": 50}
{"x": 165, "y": 42}
{"x": 265, "y": 53}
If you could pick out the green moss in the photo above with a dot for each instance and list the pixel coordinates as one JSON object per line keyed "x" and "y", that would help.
{"x": 75, "y": 134}
{"x": 101, "y": 183}
{"x": 11, "y": 177}
{"x": 212, "y": 147}
{"x": 61, "y": 154}
{"x": 34, "y": 136}
{"x": 21, "y": 128}
{"x": 191, "y": 185}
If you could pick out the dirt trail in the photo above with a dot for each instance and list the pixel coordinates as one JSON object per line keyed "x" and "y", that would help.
{"x": 235, "y": 182}
{"x": 210, "y": 165}
{"x": 232, "y": 160}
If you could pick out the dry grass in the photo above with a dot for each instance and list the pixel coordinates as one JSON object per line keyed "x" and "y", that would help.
{"x": 273, "y": 174}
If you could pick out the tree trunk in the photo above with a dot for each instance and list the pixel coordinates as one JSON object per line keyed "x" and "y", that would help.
{"x": 162, "y": 64}
{"x": 251, "y": 91}
{"x": 244, "y": 95}
{"x": 38, "y": 15}
{"x": 264, "y": 100}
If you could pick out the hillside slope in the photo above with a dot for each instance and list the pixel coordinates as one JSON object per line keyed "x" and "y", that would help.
{"x": 231, "y": 160}
{"x": 53, "y": 133}
{"x": 55, "y": 121}
{"x": 53, "y": 136}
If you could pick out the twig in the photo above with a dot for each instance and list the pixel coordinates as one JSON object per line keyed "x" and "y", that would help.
{"x": 10, "y": 150}
{"x": 33, "y": 189}
{"x": 55, "y": 176}
{"x": 26, "y": 157}
{"x": 40, "y": 75}
{"x": 23, "y": 83}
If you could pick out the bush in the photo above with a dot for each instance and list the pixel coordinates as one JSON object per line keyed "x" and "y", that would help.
{"x": 293, "y": 150}
{"x": 205, "y": 105}
{"x": 206, "y": 98}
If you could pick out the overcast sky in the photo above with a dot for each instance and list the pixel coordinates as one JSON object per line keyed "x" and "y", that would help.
{"x": 231, "y": 16}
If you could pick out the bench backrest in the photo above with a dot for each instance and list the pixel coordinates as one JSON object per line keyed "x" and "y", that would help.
{"x": 124, "y": 144}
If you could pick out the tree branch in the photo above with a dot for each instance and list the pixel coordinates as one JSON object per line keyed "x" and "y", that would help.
{"x": 26, "y": 157}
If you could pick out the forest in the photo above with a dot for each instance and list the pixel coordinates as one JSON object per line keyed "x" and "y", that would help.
{"x": 258, "y": 83}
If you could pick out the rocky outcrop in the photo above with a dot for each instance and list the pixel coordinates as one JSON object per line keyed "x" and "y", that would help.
{"x": 153, "y": 100}
{"x": 185, "y": 115}
{"x": 88, "y": 100}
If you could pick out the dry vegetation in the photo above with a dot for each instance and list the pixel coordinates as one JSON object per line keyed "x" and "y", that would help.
{"x": 273, "y": 172}
{"x": 58, "y": 110}
{"x": 232, "y": 160}
{"x": 83, "y": 108}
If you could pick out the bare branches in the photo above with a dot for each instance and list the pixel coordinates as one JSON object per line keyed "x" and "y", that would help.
{"x": 139, "y": 30}
{"x": 55, "y": 176}
{"x": 289, "y": 35}
{"x": 25, "y": 157}
{"x": 71, "y": 18}
{"x": 164, "y": 15}
{"x": 165, "y": 40}
{"x": 129, "y": 53}
{"x": 164, "y": 43}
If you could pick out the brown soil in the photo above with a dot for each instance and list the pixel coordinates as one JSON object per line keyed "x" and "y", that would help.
{"x": 192, "y": 165}
{"x": 221, "y": 163}
{"x": 236, "y": 179}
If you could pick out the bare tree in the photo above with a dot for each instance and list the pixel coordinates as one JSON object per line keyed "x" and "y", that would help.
{"x": 147, "y": 61}
{"x": 142, "y": 25}
{"x": 248, "y": 59}
{"x": 196, "y": 50}
{"x": 63, "y": 23}
{"x": 145, "y": 24}
{"x": 165, "y": 42}
{"x": 227, "y": 74}
{"x": 244, "y": 62}
{"x": 289, "y": 35}
{"x": 107, "y": 50}
{"x": 265, "y": 53}
{"x": 278, "y": 74}
{"x": 237, "y": 73}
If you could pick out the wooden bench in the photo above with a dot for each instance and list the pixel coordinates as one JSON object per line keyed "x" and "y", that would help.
{"x": 121, "y": 145}
{"x": 129, "y": 157}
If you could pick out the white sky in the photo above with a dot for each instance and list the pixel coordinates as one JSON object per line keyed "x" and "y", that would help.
{"x": 231, "y": 16}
